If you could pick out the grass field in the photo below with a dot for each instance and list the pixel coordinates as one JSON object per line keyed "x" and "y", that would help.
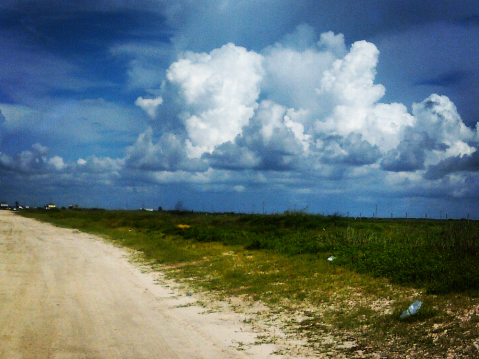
{"x": 380, "y": 267}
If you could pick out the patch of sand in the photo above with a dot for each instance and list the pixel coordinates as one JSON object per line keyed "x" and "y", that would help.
{"x": 66, "y": 294}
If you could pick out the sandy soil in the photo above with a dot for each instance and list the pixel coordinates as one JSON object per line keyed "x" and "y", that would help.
{"x": 66, "y": 294}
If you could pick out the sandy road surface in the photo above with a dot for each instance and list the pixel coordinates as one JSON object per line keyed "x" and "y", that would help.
{"x": 66, "y": 294}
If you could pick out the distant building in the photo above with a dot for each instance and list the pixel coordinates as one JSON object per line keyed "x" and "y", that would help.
{"x": 4, "y": 205}
{"x": 50, "y": 206}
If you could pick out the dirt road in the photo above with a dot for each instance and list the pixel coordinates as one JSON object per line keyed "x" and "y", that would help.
{"x": 66, "y": 294}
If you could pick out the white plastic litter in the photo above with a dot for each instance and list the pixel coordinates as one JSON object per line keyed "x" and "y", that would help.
{"x": 413, "y": 308}
{"x": 332, "y": 258}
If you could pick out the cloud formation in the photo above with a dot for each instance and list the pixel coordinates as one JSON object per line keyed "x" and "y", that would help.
{"x": 168, "y": 154}
{"x": 219, "y": 91}
{"x": 298, "y": 112}
{"x": 33, "y": 161}
{"x": 2, "y": 126}
{"x": 149, "y": 105}
{"x": 301, "y": 101}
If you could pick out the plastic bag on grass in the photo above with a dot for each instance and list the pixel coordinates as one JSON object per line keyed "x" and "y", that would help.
{"x": 413, "y": 308}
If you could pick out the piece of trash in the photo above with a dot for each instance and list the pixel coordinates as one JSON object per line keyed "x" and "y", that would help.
{"x": 332, "y": 258}
{"x": 413, "y": 308}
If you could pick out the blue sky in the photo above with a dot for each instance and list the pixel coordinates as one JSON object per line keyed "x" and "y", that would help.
{"x": 325, "y": 106}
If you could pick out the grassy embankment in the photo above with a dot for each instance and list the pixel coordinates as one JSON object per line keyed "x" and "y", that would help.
{"x": 381, "y": 267}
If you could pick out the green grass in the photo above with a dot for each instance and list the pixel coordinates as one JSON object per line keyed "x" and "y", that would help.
{"x": 381, "y": 267}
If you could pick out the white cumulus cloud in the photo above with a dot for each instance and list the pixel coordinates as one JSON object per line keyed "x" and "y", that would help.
{"x": 31, "y": 161}
{"x": 149, "y": 105}
{"x": 220, "y": 90}
{"x": 438, "y": 117}
{"x": 302, "y": 104}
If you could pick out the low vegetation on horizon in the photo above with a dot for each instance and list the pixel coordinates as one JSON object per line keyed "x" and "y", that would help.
{"x": 344, "y": 278}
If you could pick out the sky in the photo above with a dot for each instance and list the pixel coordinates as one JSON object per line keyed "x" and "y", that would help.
{"x": 357, "y": 108}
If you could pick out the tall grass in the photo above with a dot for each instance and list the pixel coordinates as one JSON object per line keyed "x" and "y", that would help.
{"x": 441, "y": 256}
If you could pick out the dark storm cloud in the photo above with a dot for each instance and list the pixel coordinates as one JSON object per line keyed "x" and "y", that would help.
{"x": 447, "y": 79}
{"x": 438, "y": 128}
{"x": 410, "y": 154}
{"x": 440, "y": 59}
{"x": 56, "y": 50}
{"x": 33, "y": 73}
{"x": 351, "y": 150}
{"x": 2, "y": 126}
{"x": 168, "y": 154}
{"x": 369, "y": 18}
{"x": 468, "y": 163}
{"x": 33, "y": 161}
{"x": 233, "y": 157}
{"x": 471, "y": 20}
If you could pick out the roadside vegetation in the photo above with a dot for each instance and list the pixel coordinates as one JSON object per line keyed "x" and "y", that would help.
{"x": 339, "y": 283}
